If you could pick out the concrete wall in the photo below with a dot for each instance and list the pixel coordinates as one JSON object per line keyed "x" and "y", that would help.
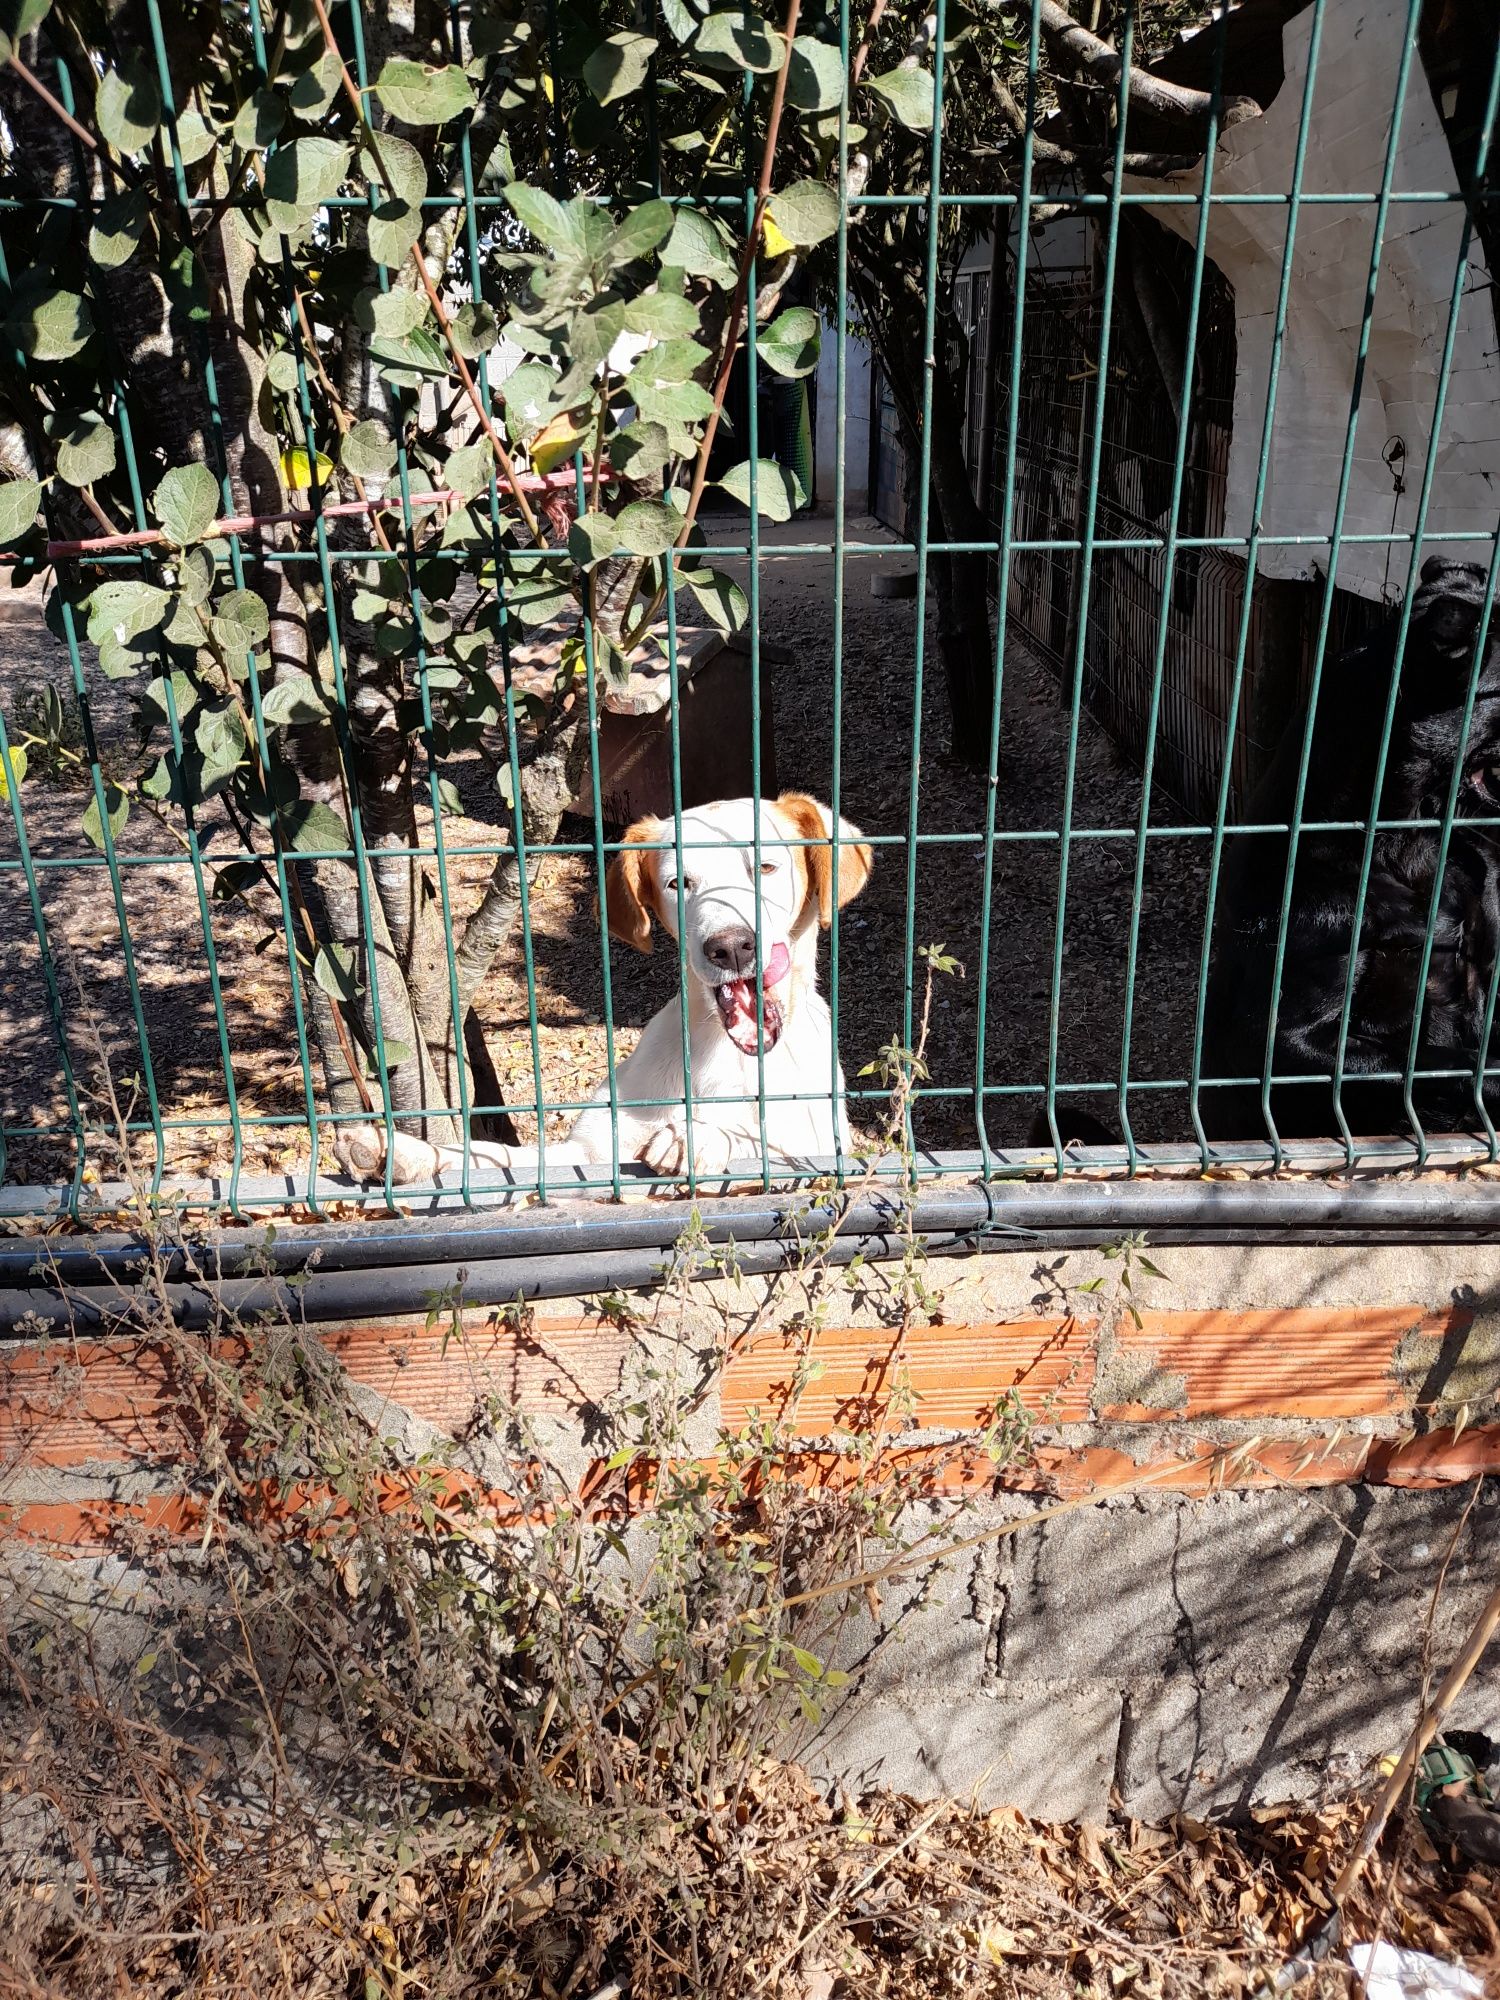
{"x": 1270, "y": 1470}
{"x": 1353, "y": 97}
{"x": 857, "y": 388}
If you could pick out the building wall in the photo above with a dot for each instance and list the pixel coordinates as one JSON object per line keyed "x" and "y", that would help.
{"x": 1352, "y": 107}
{"x": 856, "y": 423}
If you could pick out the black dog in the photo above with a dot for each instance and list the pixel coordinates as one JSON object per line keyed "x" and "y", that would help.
{"x": 1434, "y": 672}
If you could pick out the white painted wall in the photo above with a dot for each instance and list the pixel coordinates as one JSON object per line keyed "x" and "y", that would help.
{"x": 1351, "y": 116}
{"x": 856, "y": 423}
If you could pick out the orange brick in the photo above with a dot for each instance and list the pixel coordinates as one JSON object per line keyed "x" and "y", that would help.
{"x": 948, "y": 1377}
{"x": 112, "y": 1402}
{"x": 1308, "y": 1362}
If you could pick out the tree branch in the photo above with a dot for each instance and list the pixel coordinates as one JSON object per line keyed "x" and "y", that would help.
{"x": 1086, "y": 52}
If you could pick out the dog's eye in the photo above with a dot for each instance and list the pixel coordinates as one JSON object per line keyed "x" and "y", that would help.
{"x": 768, "y": 868}
{"x": 688, "y": 886}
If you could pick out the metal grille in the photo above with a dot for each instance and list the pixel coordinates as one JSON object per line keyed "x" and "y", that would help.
{"x": 1141, "y": 542}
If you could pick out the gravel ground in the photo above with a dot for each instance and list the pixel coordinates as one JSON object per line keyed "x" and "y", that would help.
{"x": 878, "y": 720}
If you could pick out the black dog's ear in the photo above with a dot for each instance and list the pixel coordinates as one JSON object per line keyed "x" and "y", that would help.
{"x": 1446, "y": 609}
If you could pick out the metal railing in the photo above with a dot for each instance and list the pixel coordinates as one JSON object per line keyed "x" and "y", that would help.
{"x": 327, "y": 1000}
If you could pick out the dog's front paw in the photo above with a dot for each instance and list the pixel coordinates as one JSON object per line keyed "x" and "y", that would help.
{"x": 362, "y": 1152}
{"x": 666, "y": 1151}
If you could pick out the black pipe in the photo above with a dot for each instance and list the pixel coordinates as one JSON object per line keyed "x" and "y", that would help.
{"x": 378, "y": 1269}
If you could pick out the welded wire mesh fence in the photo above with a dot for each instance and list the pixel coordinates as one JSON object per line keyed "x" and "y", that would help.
{"x": 408, "y": 427}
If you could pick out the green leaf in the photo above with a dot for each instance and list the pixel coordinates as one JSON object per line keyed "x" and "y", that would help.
{"x": 739, "y": 38}
{"x": 778, "y": 492}
{"x": 619, "y": 66}
{"x": 815, "y": 76}
{"x": 187, "y": 286}
{"x": 679, "y": 19}
{"x": 591, "y": 538}
{"x": 187, "y": 503}
{"x": 640, "y": 233}
{"x": 196, "y": 138}
{"x": 240, "y": 622}
{"x": 420, "y": 95}
{"x": 640, "y": 449}
{"x": 476, "y": 329}
{"x": 281, "y": 371}
{"x": 662, "y": 315}
{"x": 909, "y": 93}
{"x": 121, "y": 611}
{"x": 315, "y": 829}
{"x": 448, "y": 796}
{"x": 220, "y": 737}
{"x": 468, "y": 469}
{"x": 806, "y": 213}
{"x": 258, "y": 121}
{"x": 195, "y": 577}
{"x": 118, "y": 228}
{"x": 617, "y": 667}
{"x": 410, "y": 362}
{"x": 391, "y": 314}
{"x": 394, "y": 228}
{"x": 790, "y": 343}
{"x": 721, "y": 598}
{"x": 184, "y": 627}
{"x": 405, "y": 171}
{"x": 237, "y": 878}
{"x": 18, "y": 18}
{"x": 183, "y": 695}
{"x": 548, "y": 221}
{"x": 648, "y": 527}
{"x": 333, "y": 968}
{"x": 19, "y": 501}
{"x": 669, "y": 361}
{"x": 116, "y": 812}
{"x": 316, "y": 88}
{"x": 300, "y": 178}
{"x": 160, "y": 782}
{"x": 127, "y": 109}
{"x": 671, "y": 402}
{"x": 368, "y": 450}
{"x": 697, "y": 247}
{"x": 85, "y": 451}
{"x": 56, "y": 326}
{"x": 295, "y": 698}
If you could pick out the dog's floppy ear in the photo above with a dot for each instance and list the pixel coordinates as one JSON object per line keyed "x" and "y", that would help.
{"x": 814, "y": 822}
{"x": 628, "y": 896}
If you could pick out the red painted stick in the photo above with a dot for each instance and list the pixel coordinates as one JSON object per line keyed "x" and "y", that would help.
{"x": 248, "y": 524}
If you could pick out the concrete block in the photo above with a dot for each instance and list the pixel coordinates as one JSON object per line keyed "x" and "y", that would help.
{"x": 1257, "y": 1587}
{"x": 934, "y": 1628}
{"x": 1195, "y": 1749}
{"x": 1049, "y": 1750}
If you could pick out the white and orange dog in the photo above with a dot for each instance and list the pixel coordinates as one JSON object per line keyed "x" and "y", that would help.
{"x": 729, "y": 1040}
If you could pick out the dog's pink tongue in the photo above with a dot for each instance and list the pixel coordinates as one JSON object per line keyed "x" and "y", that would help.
{"x": 777, "y": 965}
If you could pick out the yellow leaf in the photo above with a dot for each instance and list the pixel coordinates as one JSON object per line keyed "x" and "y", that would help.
{"x": 296, "y": 469}
{"x": 17, "y": 772}
{"x": 547, "y": 85}
{"x": 776, "y": 245}
{"x": 554, "y": 443}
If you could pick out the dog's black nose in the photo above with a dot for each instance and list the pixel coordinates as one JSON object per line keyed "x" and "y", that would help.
{"x": 732, "y": 950}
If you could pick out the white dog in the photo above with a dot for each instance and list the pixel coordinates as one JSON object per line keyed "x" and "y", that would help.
{"x": 715, "y": 887}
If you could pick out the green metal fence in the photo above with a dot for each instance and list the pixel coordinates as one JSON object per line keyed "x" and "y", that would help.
{"x": 136, "y": 154}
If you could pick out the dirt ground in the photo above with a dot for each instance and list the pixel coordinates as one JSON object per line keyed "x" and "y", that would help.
{"x": 194, "y": 1069}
